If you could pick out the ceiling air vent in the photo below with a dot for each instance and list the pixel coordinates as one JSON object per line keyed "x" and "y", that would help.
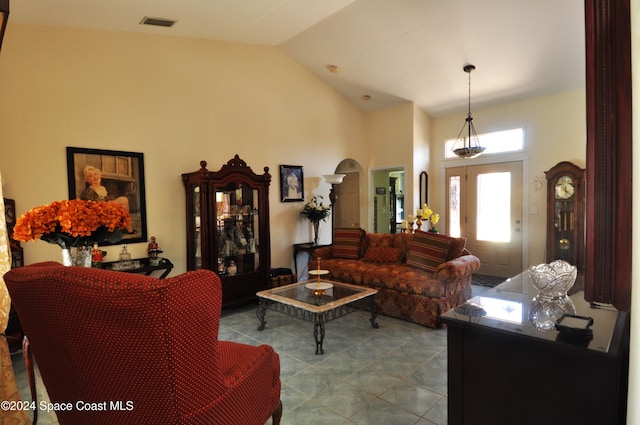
{"x": 158, "y": 22}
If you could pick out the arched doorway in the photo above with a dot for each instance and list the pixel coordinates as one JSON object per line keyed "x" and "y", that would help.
{"x": 347, "y": 204}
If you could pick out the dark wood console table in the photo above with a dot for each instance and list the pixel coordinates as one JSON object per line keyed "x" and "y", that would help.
{"x": 307, "y": 247}
{"x": 165, "y": 265}
{"x": 505, "y": 371}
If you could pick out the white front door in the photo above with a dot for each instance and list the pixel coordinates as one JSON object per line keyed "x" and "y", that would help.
{"x": 485, "y": 206}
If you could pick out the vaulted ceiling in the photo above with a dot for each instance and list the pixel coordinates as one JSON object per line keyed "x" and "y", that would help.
{"x": 393, "y": 51}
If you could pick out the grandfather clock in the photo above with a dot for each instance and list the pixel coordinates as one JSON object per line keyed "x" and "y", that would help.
{"x": 566, "y": 214}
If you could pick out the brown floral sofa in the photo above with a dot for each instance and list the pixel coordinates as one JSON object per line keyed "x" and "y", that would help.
{"x": 418, "y": 277}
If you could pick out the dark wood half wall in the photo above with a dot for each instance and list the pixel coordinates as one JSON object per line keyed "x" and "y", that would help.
{"x": 609, "y": 146}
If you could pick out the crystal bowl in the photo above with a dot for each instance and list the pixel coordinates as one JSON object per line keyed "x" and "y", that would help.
{"x": 545, "y": 312}
{"x": 553, "y": 279}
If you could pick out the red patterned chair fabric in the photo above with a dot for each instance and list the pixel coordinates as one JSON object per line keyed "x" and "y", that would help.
{"x": 102, "y": 337}
{"x": 404, "y": 291}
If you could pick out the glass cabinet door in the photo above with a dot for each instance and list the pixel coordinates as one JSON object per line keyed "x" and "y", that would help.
{"x": 196, "y": 226}
{"x": 237, "y": 229}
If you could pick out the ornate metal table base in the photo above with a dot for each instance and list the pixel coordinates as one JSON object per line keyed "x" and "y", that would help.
{"x": 318, "y": 319}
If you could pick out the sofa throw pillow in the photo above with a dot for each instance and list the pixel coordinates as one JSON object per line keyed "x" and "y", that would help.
{"x": 457, "y": 248}
{"x": 428, "y": 250}
{"x": 346, "y": 242}
{"x": 378, "y": 239}
{"x": 382, "y": 255}
{"x": 402, "y": 241}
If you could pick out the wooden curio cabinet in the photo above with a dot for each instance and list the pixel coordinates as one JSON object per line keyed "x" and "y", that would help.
{"x": 228, "y": 227}
{"x": 17, "y": 254}
{"x": 566, "y": 214}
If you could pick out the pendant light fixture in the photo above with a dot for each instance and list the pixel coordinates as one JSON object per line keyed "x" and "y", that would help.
{"x": 470, "y": 144}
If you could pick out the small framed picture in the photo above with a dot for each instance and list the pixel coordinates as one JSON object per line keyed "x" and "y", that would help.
{"x": 116, "y": 176}
{"x": 291, "y": 183}
{"x": 381, "y": 191}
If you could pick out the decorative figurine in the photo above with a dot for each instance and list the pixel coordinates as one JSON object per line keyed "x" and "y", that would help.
{"x": 97, "y": 255}
{"x": 222, "y": 269}
{"x": 232, "y": 270}
{"x": 152, "y": 251}
{"x": 252, "y": 245}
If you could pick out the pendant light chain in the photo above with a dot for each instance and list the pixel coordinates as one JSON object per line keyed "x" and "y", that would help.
{"x": 469, "y": 119}
{"x": 473, "y": 149}
{"x": 469, "y": 103}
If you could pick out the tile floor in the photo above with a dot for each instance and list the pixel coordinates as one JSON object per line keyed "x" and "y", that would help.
{"x": 394, "y": 374}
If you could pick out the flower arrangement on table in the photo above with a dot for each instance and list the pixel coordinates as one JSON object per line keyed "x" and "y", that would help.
{"x": 316, "y": 211}
{"x": 427, "y": 214}
{"x": 73, "y": 223}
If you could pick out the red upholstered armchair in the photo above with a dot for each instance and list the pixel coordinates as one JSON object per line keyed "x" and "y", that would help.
{"x": 141, "y": 350}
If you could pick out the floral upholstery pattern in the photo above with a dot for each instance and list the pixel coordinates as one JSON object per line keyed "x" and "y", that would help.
{"x": 457, "y": 268}
{"x": 381, "y": 240}
{"x": 382, "y": 255}
{"x": 404, "y": 291}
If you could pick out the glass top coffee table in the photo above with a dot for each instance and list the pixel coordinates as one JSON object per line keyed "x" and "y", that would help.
{"x": 318, "y": 302}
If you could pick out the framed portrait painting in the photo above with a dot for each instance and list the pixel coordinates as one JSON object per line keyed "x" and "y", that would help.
{"x": 291, "y": 183}
{"x": 115, "y": 176}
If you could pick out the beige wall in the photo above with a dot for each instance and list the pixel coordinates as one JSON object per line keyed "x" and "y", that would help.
{"x": 179, "y": 101}
{"x": 422, "y": 129}
{"x": 390, "y": 142}
{"x": 554, "y": 131}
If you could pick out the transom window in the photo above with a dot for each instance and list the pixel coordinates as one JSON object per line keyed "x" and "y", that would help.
{"x": 496, "y": 142}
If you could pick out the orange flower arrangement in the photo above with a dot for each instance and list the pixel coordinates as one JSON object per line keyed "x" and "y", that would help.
{"x": 73, "y": 223}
